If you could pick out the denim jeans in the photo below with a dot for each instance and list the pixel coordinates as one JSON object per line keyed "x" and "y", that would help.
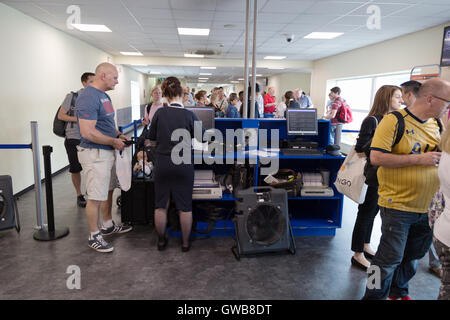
{"x": 332, "y": 133}
{"x": 405, "y": 238}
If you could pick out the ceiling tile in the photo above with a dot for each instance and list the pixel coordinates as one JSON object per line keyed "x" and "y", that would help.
{"x": 193, "y": 15}
{"x": 200, "y": 5}
{"x": 338, "y": 8}
{"x": 150, "y": 25}
{"x": 234, "y": 5}
{"x": 277, "y": 6}
{"x": 154, "y": 4}
{"x": 353, "y": 20}
{"x": 148, "y": 13}
{"x": 423, "y": 10}
{"x": 385, "y": 8}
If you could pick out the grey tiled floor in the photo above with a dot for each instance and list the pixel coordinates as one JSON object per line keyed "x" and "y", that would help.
{"x": 320, "y": 269}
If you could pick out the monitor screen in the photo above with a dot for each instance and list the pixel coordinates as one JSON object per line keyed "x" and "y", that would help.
{"x": 301, "y": 122}
{"x": 206, "y": 116}
{"x": 445, "y": 56}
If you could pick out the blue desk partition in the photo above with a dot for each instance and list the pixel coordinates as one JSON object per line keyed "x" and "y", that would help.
{"x": 308, "y": 215}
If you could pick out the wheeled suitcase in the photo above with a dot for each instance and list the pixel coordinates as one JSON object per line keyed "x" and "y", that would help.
{"x": 138, "y": 203}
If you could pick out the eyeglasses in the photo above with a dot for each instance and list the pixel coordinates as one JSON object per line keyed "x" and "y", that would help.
{"x": 446, "y": 101}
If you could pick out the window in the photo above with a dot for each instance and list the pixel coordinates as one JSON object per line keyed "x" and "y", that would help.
{"x": 135, "y": 101}
{"x": 359, "y": 92}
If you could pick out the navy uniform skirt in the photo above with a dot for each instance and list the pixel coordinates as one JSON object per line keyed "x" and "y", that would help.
{"x": 173, "y": 180}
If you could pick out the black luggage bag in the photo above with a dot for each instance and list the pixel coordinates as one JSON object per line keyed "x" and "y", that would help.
{"x": 138, "y": 203}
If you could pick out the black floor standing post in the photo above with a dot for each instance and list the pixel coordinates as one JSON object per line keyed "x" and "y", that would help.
{"x": 50, "y": 233}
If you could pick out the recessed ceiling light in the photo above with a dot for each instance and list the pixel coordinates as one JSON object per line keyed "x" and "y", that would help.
{"x": 193, "y": 32}
{"x": 191, "y": 55}
{"x": 205, "y": 74}
{"x": 323, "y": 35}
{"x": 203, "y": 78}
{"x": 241, "y": 79}
{"x": 276, "y": 68}
{"x": 234, "y": 81}
{"x": 132, "y": 53}
{"x": 274, "y": 57}
{"x": 258, "y": 75}
{"x": 212, "y": 68}
{"x": 91, "y": 27}
{"x": 155, "y": 72}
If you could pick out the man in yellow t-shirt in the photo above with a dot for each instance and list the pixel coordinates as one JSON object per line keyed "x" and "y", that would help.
{"x": 408, "y": 179}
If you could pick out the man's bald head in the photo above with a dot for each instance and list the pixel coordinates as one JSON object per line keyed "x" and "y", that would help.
{"x": 106, "y": 76}
{"x": 105, "y": 67}
{"x": 433, "y": 98}
{"x": 437, "y": 87}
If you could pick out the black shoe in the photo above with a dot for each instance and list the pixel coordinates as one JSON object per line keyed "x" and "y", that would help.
{"x": 162, "y": 243}
{"x": 368, "y": 255}
{"x": 358, "y": 265}
{"x": 81, "y": 201}
{"x": 185, "y": 249}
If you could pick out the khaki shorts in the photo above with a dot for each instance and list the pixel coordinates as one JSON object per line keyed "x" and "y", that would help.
{"x": 99, "y": 170}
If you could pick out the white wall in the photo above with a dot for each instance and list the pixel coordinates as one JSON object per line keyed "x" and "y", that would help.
{"x": 289, "y": 81}
{"x": 121, "y": 96}
{"x": 402, "y": 53}
{"x": 39, "y": 66}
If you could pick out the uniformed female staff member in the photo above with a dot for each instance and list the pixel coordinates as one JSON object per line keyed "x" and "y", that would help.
{"x": 172, "y": 180}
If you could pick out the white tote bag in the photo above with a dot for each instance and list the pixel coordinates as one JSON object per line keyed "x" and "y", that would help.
{"x": 350, "y": 179}
{"x": 123, "y": 168}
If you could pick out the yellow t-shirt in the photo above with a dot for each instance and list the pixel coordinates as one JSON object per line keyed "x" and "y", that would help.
{"x": 409, "y": 188}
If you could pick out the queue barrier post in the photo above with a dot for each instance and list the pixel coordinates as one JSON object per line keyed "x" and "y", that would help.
{"x": 49, "y": 233}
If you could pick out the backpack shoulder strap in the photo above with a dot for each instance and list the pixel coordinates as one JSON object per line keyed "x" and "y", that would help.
{"x": 439, "y": 122}
{"x": 71, "y": 111}
{"x": 400, "y": 127}
{"x": 376, "y": 121}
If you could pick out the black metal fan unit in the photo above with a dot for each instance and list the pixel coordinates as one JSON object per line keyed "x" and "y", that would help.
{"x": 262, "y": 222}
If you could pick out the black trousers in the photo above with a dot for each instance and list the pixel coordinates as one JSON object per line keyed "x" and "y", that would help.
{"x": 367, "y": 211}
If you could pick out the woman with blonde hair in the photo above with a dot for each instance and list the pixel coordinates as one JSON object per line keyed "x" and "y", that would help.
{"x": 154, "y": 105}
{"x": 219, "y": 113}
{"x": 388, "y": 98}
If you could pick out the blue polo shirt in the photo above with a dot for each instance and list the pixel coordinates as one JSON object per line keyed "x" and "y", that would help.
{"x": 305, "y": 101}
{"x": 93, "y": 104}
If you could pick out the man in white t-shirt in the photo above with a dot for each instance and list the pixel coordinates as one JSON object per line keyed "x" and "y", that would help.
{"x": 260, "y": 100}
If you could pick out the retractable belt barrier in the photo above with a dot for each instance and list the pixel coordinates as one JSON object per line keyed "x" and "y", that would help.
{"x": 44, "y": 233}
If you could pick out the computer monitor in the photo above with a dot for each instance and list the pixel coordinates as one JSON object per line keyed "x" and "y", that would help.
{"x": 445, "y": 55}
{"x": 302, "y": 122}
{"x": 205, "y": 115}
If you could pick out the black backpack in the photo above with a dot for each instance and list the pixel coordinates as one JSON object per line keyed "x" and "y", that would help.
{"x": 59, "y": 126}
{"x": 401, "y": 127}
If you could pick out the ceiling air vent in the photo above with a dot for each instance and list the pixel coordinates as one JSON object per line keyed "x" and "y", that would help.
{"x": 207, "y": 52}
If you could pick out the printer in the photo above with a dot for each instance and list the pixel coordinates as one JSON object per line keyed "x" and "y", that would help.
{"x": 206, "y": 186}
